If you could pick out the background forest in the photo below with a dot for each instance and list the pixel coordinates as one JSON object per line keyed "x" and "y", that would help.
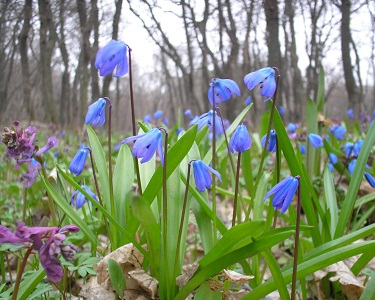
{"x": 49, "y": 48}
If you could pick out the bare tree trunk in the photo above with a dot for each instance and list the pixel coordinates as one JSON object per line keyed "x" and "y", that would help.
{"x": 95, "y": 91}
{"x": 47, "y": 45}
{"x": 23, "y": 47}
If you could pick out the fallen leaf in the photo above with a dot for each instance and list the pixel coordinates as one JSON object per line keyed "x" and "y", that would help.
{"x": 236, "y": 277}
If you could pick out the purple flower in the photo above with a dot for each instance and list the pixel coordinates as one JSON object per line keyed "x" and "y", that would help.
{"x": 110, "y": 57}
{"x": 147, "y": 144}
{"x": 96, "y": 113}
{"x": 222, "y": 90}
{"x": 202, "y": 176}
{"x": 32, "y": 172}
{"x": 7, "y": 236}
{"x": 338, "y": 131}
{"x": 51, "y": 143}
{"x": 78, "y": 162}
{"x": 271, "y": 147}
{"x": 315, "y": 140}
{"x": 283, "y": 193}
{"x": 240, "y": 141}
{"x": 78, "y": 199}
{"x": 265, "y": 78}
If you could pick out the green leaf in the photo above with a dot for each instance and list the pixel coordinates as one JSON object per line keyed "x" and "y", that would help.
{"x": 117, "y": 277}
{"x": 331, "y": 201}
{"x": 357, "y": 176}
{"x": 28, "y": 285}
{"x": 204, "y": 292}
{"x": 61, "y": 202}
{"x": 369, "y": 292}
{"x": 101, "y": 165}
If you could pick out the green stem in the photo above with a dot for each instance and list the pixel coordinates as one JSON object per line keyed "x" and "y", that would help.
{"x": 295, "y": 259}
{"x": 2, "y": 267}
{"x": 19, "y": 273}
{"x": 213, "y": 188}
{"x": 236, "y": 190}
{"x": 50, "y": 200}
{"x": 177, "y": 257}
{"x": 133, "y": 118}
{"x": 165, "y": 212}
{"x": 24, "y": 205}
{"x": 110, "y": 172}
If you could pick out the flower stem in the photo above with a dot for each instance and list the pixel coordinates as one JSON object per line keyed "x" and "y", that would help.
{"x": 266, "y": 142}
{"x": 24, "y": 205}
{"x": 165, "y": 213}
{"x": 236, "y": 190}
{"x": 110, "y": 171}
{"x": 133, "y": 118}
{"x": 182, "y": 221}
{"x": 295, "y": 259}
{"x": 50, "y": 200}
{"x": 98, "y": 192}
{"x": 213, "y": 187}
{"x": 19, "y": 273}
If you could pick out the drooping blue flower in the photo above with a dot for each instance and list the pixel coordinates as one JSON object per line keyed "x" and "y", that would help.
{"x": 147, "y": 118}
{"x": 281, "y": 110}
{"x": 302, "y": 148}
{"x": 330, "y": 167}
{"x": 333, "y": 158}
{"x": 248, "y": 100}
{"x": 351, "y": 166}
{"x": 158, "y": 114}
{"x": 351, "y": 113}
{"x": 112, "y": 56}
{"x": 147, "y": 144}
{"x": 222, "y": 90}
{"x": 78, "y": 199}
{"x": 265, "y": 78}
{"x": 194, "y": 120}
{"x": 202, "y": 176}
{"x": 179, "y": 130}
{"x": 370, "y": 179}
{"x": 348, "y": 147}
{"x": 292, "y": 127}
{"x": 96, "y": 113}
{"x": 315, "y": 140}
{"x": 240, "y": 141}
{"x": 207, "y": 119}
{"x": 187, "y": 113}
{"x": 78, "y": 162}
{"x": 165, "y": 121}
{"x": 338, "y": 131}
{"x": 271, "y": 147}
{"x": 283, "y": 193}
{"x": 357, "y": 147}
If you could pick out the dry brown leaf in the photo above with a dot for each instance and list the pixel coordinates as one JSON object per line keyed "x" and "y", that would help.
{"x": 187, "y": 273}
{"x": 148, "y": 283}
{"x": 94, "y": 291}
{"x": 236, "y": 277}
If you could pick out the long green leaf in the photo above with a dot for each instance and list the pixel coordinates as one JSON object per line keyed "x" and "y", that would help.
{"x": 61, "y": 202}
{"x": 331, "y": 201}
{"x": 369, "y": 292}
{"x": 117, "y": 277}
{"x": 344, "y": 218}
{"x": 27, "y": 286}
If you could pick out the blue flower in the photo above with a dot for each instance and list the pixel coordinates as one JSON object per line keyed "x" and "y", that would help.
{"x": 110, "y": 57}
{"x": 370, "y": 179}
{"x": 147, "y": 144}
{"x": 357, "y": 147}
{"x": 194, "y": 120}
{"x": 315, "y": 140}
{"x": 223, "y": 89}
{"x": 292, "y": 127}
{"x": 333, "y": 158}
{"x": 207, "y": 119}
{"x": 271, "y": 147}
{"x": 338, "y": 131}
{"x": 302, "y": 148}
{"x": 265, "y": 78}
{"x": 78, "y": 162}
{"x": 187, "y": 113}
{"x": 165, "y": 121}
{"x": 351, "y": 166}
{"x": 348, "y": 147}
{"x": 78, "y": 199}
{"x": 96, "y": 113}
{"x": 248, "y": 100}
{"x": 158, "y": 114}
{"x": 179, "y": 130}
{"x": 351, "y": 113}
{"x": 281, "y": 110}
{"x": 147, "y": 118}
{"x": 330, "y": 167}
{"x": 283, "y": 193}
{"x": 202, "y": 176}
{"x": 240, "y": 141}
